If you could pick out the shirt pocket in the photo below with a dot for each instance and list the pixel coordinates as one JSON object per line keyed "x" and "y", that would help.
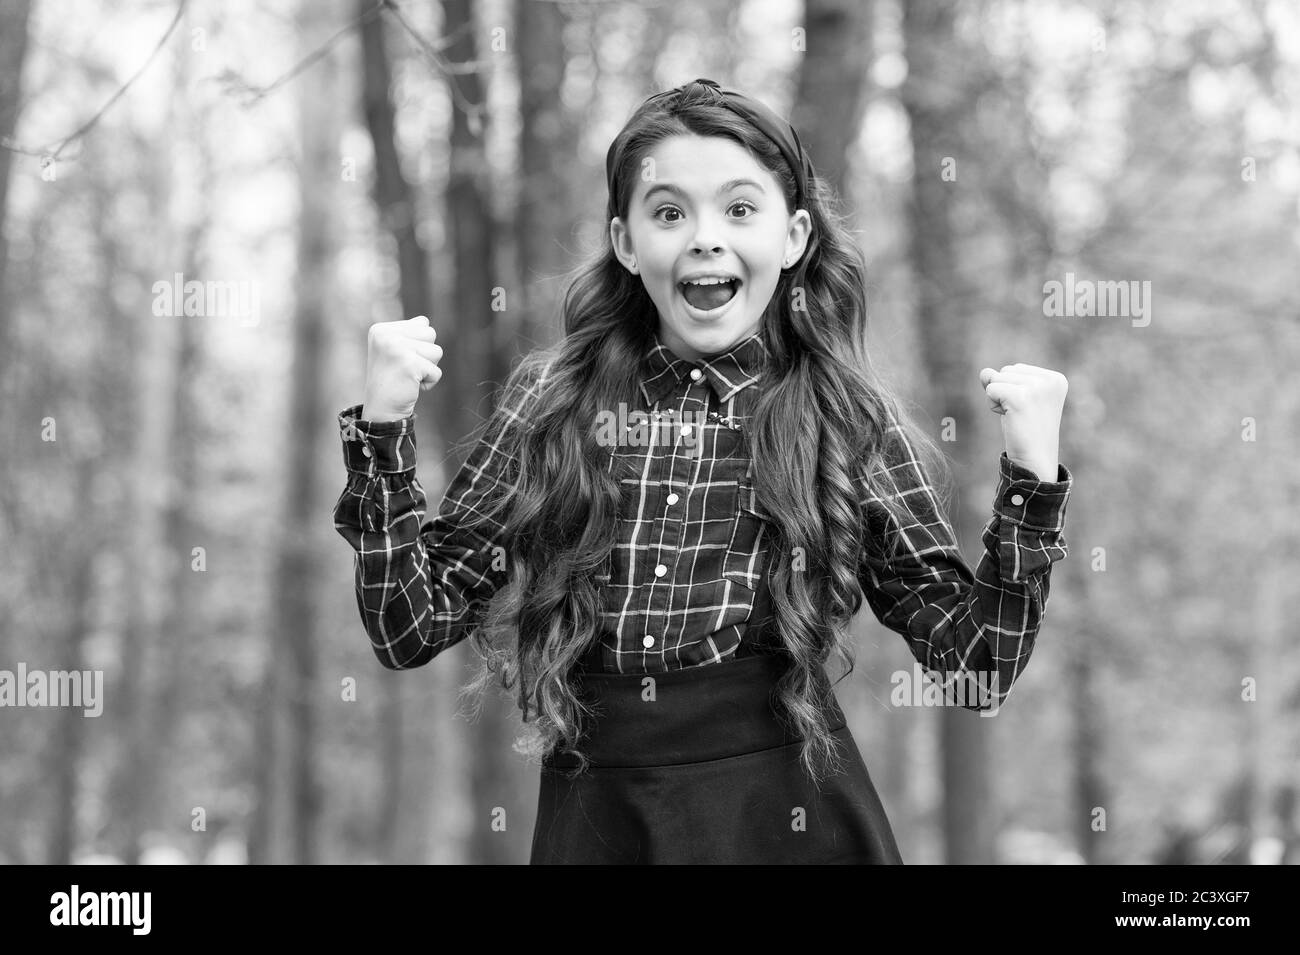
{"x": 742, "y": 563}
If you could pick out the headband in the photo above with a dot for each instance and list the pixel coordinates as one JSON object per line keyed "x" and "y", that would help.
{"x": 776, "y": 129}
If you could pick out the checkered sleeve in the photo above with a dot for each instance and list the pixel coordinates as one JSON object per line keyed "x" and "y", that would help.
{"x": 977, "y": 629}
{"x": 423, "y": 587}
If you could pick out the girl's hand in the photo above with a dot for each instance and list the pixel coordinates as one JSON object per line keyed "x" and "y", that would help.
{"x": 401, "y": 360}
{"x": 1030, "y": 400}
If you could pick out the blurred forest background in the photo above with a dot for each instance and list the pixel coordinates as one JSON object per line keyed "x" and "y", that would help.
{"x": 168, "y": 479}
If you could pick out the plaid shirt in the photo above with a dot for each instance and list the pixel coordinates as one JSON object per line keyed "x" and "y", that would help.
{"x": 692, "y": 543}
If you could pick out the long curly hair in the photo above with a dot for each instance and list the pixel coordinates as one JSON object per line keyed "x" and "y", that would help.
{"x": 818, "y": 439}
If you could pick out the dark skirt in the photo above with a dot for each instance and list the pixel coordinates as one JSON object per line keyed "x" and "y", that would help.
{"x": 704, "y": 772}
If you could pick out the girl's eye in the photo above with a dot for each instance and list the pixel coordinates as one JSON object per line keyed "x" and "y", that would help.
{"x": 735, "y": 205}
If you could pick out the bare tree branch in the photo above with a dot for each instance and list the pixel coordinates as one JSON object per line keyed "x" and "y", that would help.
{"x": 474, "y": 111}
{"x": 48, "y": 155}
{"x": 235, "y": 83}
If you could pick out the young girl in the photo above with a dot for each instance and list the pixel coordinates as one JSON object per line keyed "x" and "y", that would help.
{"x": 673, "y": 513}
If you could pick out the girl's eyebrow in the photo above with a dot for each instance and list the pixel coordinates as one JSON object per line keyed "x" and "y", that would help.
{"x": 725, "y": 187}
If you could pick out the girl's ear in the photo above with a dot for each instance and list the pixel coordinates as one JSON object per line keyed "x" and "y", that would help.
{"x": 796, "y": 240}
{"x": 622, "y": 242}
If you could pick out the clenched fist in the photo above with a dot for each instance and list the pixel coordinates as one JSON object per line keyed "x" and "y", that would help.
{"x": 1030, "y": 400}
{"x": 401, "y": 360}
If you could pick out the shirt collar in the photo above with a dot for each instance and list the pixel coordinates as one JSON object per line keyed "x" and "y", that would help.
{"x": 727, "y": 373}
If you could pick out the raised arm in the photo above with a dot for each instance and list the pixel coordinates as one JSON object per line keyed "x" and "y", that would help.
{"x": 955, "y": 622}
{"x": 423, "y": 587}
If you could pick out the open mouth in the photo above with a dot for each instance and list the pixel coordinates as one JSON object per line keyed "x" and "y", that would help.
{"x": 706, "y": 295}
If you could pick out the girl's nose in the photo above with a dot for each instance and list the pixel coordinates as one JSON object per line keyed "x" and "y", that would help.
{"x": 705, "y": 243}
{"x": 707, "y": 235}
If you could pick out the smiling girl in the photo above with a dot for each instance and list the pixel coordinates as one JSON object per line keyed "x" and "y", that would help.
{"x": 665, "y": 610}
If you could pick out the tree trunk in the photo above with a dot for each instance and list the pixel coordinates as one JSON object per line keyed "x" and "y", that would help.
{"x": 13, "y": 52}
{"x": 1089, "y": 790}
{"x": 833, "y": 82}
{"x": 479, "y": 368}
{"x": 1085, "y": 644}
{"x": 934, "y": 98}
{"x": 180, "y": 582}
{"x": 310, "y": 421}
{"x": 396, "y": 205}
{"x": 289, "y": 743}
{"x": 545, "y": 210}
{"x": 392, "y": 194}
{"x": 152, "y": 349}
{"x": 71, "y": 726}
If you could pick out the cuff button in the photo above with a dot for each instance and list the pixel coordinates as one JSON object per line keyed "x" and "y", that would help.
{"x": 1017, "y": 500}
{"x": 365, "y": 450}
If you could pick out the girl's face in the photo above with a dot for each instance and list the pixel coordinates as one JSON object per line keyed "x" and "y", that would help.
{"x": 703, "y": 206}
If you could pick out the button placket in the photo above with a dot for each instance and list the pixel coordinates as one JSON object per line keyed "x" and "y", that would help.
{"x": 667, "y": 529}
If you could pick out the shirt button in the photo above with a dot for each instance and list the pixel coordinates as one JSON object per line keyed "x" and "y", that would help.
{"x": 1017, "y": 500}
{"x": 696, "y": 374}
{"x": 686, "y": 431}
{"x": 365, "y": 450}
{"x": 647, "y": 641}
{"x": 672, "y": 498}
{"x": 660, "y": 570}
